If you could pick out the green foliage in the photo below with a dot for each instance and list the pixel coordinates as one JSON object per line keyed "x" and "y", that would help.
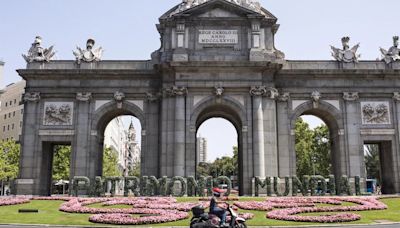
{"x": 9, "y": 159}
{"x": 287, "y": 187}
{"x": 312, "y": 150}
{"x": 225, "y": 166}
{"x": 110, "y": 163}
{"x": 332, "y": 185}
{"x": 300, "y": 185}
{"x": 135, "y": 171}
{"x": 372, "y": 162}
{"x": 357, "y": 180}
{"x": 61, "y": 162}
{"x": 80, "y": 183}
{"x": 321, "y": 149}
{"x": 153, "y": 186}
{"x": 227, "y": 181}
{"x": 344, "y": 186}
{"x": 131, "y": 184}
{"x": 98, "y": 187}
{"x": 196, "y": 188}
{"x": 172, "y": 190}
{"x": 315, "y": 182}
{"x": 262, "y": 184}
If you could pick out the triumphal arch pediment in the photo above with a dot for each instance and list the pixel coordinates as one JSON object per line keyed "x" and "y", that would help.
{"x": 217, "y": 59}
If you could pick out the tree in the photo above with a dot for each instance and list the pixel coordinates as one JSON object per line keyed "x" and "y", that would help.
{"x": 225, "y": 166}
{"x": 313, "y": 149}
{"x": 321, "y": 151}
{"x": 9, "y": 159}
{"x": 372, "y": 162}
{"x": 110, "y": 163}
{"x": 135, "y": 171}
{"x": 61, "y": 162}
{"x": 303, "y": 147}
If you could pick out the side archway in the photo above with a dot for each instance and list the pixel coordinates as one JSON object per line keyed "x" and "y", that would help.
{"x": 102, "y": 117}
{"x": 332, "y": 117}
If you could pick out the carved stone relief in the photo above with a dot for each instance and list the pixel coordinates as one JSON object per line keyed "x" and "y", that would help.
{"x": 374, "y": 112}
{"x": 58, "y": 113}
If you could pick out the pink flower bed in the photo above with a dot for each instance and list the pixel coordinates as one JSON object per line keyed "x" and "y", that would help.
{"x": 291, "y": 207}
{"x": 13, "y": 201}
{"x": 153, "y": 210}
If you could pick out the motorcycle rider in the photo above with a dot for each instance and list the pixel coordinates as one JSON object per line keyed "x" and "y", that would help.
{"x": 215, "y": 210}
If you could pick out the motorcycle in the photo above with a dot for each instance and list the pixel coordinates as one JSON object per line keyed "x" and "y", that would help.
{"x": 201, "y": 219}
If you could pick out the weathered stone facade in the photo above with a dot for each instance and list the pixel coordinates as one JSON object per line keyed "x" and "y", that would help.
{"x": 238, "y": 75}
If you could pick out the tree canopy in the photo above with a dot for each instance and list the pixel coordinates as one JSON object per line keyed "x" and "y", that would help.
{"x": 9, "y": 159}
{"x": 110, "y": 163}
{"x": 312, "y": 149}
{"x": 224, "y": 166}
{"x": 61, "y": 162}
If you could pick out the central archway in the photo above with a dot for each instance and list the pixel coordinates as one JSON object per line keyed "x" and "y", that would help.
{"x": 231, "y": 111}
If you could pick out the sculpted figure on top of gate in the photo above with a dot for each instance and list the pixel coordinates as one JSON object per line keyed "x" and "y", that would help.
{"x": 393, "y": 54}
{"x": 90, "y": 54}
{"x": 37, "y": 53}
{"x": 346, "y": 54}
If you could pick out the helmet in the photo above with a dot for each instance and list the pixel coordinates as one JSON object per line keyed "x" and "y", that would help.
{"x": 217, "y": 191}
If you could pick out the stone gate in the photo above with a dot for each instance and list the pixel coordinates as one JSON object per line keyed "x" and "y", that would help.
{"x": 217, "y": 59}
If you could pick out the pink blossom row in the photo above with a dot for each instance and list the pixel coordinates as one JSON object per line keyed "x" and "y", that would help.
{"x": 8, "y": 201}
{"x": 295, "y": 206}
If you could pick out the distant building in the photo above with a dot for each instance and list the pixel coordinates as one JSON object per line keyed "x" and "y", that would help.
{"x": 115, "y": 138}
{"x": 132, "y": 149}
{"x": 201, "y": 149}
{"x": 11, "y": 111}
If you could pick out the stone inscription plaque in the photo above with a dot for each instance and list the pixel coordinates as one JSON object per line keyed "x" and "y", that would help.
{"x": 218, "y": 36}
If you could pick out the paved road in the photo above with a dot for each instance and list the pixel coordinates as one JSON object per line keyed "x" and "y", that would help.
{"x": 323, "y": 226}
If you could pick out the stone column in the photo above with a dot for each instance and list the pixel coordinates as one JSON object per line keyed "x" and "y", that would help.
{"x": 258, "y": 131}
{"x": 283, "y": 130}
{"x": 80, "y": 150}
{"x": 28, "y": 181}
{"x": 270, "y": 133}
{"x": 355, "y": 160}
{"x": 179, "y": 131}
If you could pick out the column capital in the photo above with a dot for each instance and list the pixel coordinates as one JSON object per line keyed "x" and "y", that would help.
{"x": 284, "y": 97}
{"x": 153, "y": 97}
{"x": 258, "y": 90}
{"x": 396, "y": 96}
{"x": 84, "y": 96}
{"x": 32, "y": 96}
{"x": 351, "y": 96}
{"x": 270, "y": 92}
{"x": 175, "y": 91}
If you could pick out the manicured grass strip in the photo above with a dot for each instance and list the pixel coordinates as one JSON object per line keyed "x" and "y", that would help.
{"x": 49, "y": 214}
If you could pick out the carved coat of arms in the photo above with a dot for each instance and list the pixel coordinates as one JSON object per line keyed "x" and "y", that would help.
{"x": 58, "y": 113}
{"x": 375, "y": 112}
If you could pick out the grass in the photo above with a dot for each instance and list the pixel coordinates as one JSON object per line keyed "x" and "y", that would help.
{"x": 49, "y": 214}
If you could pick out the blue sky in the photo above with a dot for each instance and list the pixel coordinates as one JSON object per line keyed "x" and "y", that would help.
{"x": 126, "y": 29}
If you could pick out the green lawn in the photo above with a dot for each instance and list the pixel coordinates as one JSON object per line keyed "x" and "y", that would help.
{"x": 49, "y": 214}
